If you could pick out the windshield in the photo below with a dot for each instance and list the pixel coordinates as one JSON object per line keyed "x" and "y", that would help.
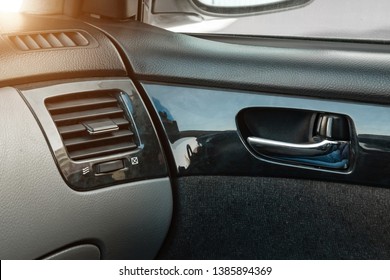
{"x": 329, "y": 19}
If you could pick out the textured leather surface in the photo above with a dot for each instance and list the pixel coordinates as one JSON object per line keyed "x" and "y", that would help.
{"x": 19, "y": 67}
{"x": 159, "y": 55}
{"x": 40, "y": 214}
{"x": 268, "y": 218}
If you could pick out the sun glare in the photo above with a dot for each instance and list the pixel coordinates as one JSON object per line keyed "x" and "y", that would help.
{"x": 10, "y": 6}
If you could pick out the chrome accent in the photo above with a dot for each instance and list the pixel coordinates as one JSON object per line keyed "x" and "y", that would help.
{"x": 329, "y": 127}
{"x": 96, "y": 128}
{"x": 326, "y": 154}
{"x": 290, "y": 149}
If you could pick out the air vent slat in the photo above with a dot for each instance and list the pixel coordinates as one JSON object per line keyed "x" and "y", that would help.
{"x": 69, "y": 129}
{"x": 102, "y": 151}
{"x": 84, "y": 121}
{"x": 87, "y": 140}
{"x": 49, "y": 40}
{"x": 41, "y": 41}
{"x": 65, "y": 40}
{"x": 53, "y": 40}
{"x": 120, "y": 121}
{"x": 78, "y": 38}
{"x": 30, "y": 42}
{"x": 78, "y": 128}
{"x": 66, "y": 105}
{"x": 89, "y": 114}
{"x": 19, "y": 43}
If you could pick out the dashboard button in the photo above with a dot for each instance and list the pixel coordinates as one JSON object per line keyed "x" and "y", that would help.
{"x": 109, "y": 166}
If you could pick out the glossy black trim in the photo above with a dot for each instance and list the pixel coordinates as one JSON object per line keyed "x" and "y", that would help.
{"x": 201, "y": 126}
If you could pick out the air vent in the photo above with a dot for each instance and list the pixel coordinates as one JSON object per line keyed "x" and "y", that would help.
{"x": 49, "y": 40}
{"x": 93, "y": 124}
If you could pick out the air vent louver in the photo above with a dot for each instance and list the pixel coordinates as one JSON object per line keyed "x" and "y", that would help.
{"x": 49, "y": 40}
{"x": 92, "y": 124}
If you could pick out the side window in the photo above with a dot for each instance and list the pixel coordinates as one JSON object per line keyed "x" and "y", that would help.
{"x": 325, "y": 19}
{"x": 245, "y": 6}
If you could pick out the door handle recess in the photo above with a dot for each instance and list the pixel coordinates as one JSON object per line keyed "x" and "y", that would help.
{"x": 278, "y": 148}
{"x": 297, "y": 137}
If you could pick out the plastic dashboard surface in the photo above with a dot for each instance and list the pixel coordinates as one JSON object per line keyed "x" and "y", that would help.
{"x": 99, "y": 59}
{"x": 40, "y": 214}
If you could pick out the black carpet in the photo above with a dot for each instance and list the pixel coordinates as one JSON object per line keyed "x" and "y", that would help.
{"x": 268, "y": 218}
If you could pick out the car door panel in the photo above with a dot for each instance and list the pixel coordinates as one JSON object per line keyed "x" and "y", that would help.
{"x": 230, "y": 204}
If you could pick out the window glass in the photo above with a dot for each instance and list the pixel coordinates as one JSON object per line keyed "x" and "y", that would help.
{"x": 367, "y": 20}
{"x": 236, "y": 3}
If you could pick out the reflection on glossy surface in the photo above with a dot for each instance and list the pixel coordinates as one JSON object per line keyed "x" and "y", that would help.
{"x": 186, "y": 147}
{"x": 209, "y": 116}
{"x": 378, "y": 143}
{"x": 337, "y": 157}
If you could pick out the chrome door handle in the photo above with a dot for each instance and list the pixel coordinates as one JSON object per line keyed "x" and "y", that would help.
{"x": 284, "y": 149}
{"x": 269, "y": 133}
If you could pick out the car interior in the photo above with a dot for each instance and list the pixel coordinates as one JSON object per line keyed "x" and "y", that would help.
{"x": 123, "y": 140}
